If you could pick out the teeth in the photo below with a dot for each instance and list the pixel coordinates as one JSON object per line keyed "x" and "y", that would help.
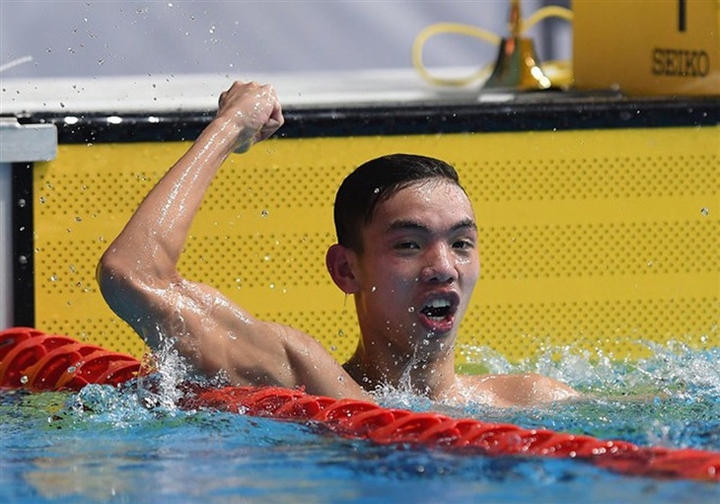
{"x": 437, "y": 309}
{"x": 439, "y": 303}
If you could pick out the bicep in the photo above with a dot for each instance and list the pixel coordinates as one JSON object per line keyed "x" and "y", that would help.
{"x": 215, "y": 334}
{"x": 208, "y": 329}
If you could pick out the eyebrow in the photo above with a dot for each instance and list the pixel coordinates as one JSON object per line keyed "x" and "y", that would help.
{"x": 406, "y": 225}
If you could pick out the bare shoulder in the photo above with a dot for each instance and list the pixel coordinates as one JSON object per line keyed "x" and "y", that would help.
{"x": 216, "y": 335}
{"x": 313, "y": 367}
{"x": 526, "y": 389}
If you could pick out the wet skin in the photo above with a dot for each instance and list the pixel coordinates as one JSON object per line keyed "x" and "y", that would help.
{"x": 411, "y": 284}
{"x": 415, "y": 277}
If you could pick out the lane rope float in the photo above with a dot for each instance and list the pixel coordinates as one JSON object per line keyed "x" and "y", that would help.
{"x": 37, "y": 361}
{"x": 33, "y": 360}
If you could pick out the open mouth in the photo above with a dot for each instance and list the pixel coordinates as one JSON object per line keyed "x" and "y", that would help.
{"x": 438, "y": 309}
{"x": 438, "y": 312}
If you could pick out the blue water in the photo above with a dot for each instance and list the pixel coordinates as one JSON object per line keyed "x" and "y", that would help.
{"x": 105, "y": 445}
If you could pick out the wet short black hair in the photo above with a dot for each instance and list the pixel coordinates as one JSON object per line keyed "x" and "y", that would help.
{"x": 375, "y": 181}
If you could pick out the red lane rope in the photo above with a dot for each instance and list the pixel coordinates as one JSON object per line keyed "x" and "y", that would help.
{"x": 36, "y": 361}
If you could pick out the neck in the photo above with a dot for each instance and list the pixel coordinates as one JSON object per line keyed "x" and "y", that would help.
{"x": 431, "y": 375}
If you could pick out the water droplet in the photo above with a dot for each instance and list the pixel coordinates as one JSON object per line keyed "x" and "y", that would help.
{"x": 272, "y": 285}
{"x": 266, "y": 258}
{"x": 411, "y": 309}
{"x": 341, "y": 333}
{"x": 264, "y": 213}
{"x": 705, "y": 211}
{"x": 53, "y": 278}
{"x": 23, "y": 379}
{"x": 333, "y": 348}
{"x": 42, "y": 199}
{"x": 373, "y": 289}
{"x": 71, "y": 369}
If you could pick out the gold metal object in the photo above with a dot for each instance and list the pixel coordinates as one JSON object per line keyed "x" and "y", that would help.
{"x": 517, "y": 66}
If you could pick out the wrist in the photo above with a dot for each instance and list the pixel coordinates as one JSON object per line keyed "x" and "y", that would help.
{"x": 226, "y": 131}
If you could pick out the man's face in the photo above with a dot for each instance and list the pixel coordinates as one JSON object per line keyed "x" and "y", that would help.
{"x": 418, "y": 268}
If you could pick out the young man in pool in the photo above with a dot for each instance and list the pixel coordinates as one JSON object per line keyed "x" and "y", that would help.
{"x": 406, "y": 251}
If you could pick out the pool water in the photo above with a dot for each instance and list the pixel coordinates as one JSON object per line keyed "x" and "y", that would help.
{"x": 131, "y": 445}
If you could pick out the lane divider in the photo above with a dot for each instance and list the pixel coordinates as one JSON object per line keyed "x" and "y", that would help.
{"x": 36, "y": 361}
{"x": 32, "y": 360}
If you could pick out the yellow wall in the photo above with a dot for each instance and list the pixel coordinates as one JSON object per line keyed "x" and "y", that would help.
{"x": 589, "y": 239}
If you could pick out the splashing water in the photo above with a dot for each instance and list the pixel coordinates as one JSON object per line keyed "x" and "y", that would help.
{"x": 673, "y": 368}
{"x": 132, "y": 443}
{"x": 163, "y": 388}
{"x": 671, "y": 398}
{"x": 667, "y": 398}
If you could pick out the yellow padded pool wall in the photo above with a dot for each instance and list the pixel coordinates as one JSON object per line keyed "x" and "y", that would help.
{"x": 590, "y": 241}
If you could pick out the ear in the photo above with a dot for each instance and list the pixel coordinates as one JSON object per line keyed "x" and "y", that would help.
{"x": 340, "y": 262}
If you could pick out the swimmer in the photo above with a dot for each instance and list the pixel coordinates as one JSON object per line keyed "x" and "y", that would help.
{"x": 407, "y": 252}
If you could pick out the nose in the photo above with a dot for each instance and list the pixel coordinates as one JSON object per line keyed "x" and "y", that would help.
{"x": 439, "y": 265}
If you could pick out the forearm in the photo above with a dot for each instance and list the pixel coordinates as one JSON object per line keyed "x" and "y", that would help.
{"x": 155, "y": 234}
{"x": 138, "y": 273}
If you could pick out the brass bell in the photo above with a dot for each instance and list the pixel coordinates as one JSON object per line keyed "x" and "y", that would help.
{"x": 517, "y": 66}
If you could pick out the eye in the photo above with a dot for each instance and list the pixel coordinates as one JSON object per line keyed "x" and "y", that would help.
{"x": 406, "y": 245}
{"x": 464, "y": 244}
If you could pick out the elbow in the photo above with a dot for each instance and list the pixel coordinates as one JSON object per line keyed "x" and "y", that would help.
{"x": 120, "y": 282}
{"x": 130, "y": 285}
{"x": 111, "y": 271}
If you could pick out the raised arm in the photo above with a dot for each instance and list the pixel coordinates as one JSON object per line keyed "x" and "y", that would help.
{"x": 139, "y": 280}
